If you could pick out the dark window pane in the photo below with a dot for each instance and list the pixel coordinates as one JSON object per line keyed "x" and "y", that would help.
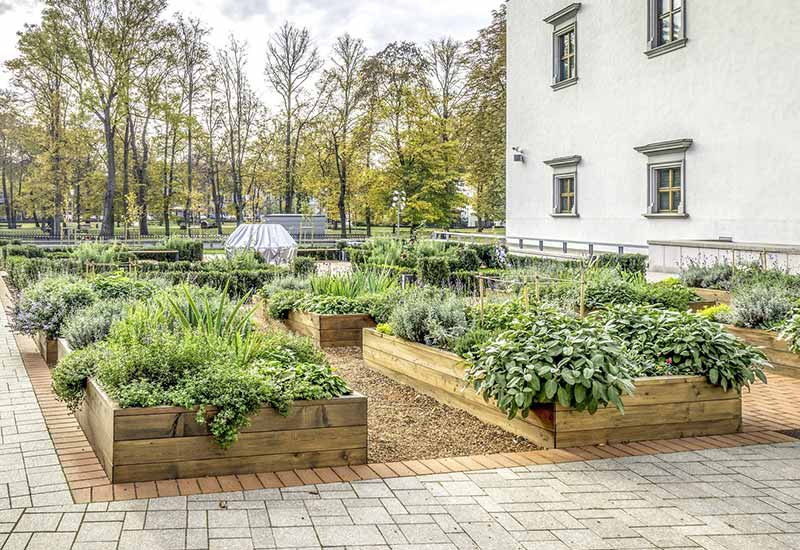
{"x": 676, "y": 200}
{"x": 664, "y": 32}
{"x": 663, "y": 202}
{"x": 676, "y": 177}
{"x": 662, "y": 178}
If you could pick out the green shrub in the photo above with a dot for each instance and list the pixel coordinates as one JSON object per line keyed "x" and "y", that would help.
{"x": 718, "y": 276}
{"x": 720, "y": 313}
{"x": 466, "y": 259}
{"x": 238, "y": 283}
{"x": 380, "y": 305}
{"x": 433, "y": 270}
{"x": 629, "y": 263}
{"x": 189, "y": 250}
{"x": 430, "y": 316}
{"x": 97, "y": 252}
{"x": 22, "y": 250}
{"x": 23, "y": 271}
{"x": 44, "y": 306}
{"x": 790, "y": 330}
{"x": 282, "y": 302}
{"x": 471, "y": 341}
{"x": 385, "y": 328}
{"x": 761, "y": 306}
{"x": 303, "y": 266}
{"x": 546, "y": 357}
{"x": 92, "y": 323}
{"x": 284, "y": 283}
{"x": 117, "y": 286}
{"x": 326, "y": 304}
{"x": 666, "y": 342}
{"x": 73, "y": 371}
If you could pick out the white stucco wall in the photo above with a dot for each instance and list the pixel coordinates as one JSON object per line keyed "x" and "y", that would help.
{"x": 734, "y": 89}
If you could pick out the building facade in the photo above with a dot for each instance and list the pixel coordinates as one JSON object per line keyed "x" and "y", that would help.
{"x": 637, "y": 120}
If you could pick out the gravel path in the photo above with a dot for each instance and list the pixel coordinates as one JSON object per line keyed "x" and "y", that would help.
{"x": 406, "y": 425}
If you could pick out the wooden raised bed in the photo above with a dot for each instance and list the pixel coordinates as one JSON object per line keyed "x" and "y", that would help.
{"x": 713, "y": 295}
{"x": 783, "y": 361}
{"x": 63, "y": 348}
{"x": 153, "y": 443}
{"x": 700, "y": 305}
{"x": 662, "y": 408}
{"x": 48, "y": 348}
{"x": 330, "y": 331}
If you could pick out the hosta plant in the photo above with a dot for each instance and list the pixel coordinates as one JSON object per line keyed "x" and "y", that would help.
{"x": 666, "y": 342}
{"x": 546, "y": 357}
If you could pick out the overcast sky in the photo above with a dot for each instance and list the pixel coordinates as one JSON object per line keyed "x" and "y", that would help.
{"x": 378, "y": 22}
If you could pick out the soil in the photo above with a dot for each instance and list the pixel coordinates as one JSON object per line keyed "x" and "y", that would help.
{"x": 406, "y": 425}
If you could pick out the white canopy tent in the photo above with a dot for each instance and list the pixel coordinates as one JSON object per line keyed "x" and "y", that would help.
{"x": 272, "y": 241}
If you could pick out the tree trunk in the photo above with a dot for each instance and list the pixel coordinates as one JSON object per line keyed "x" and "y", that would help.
{"x": 7, "y": 203}
{"x": 368, "y": 216}
{"x": 107, "y": 226}
{"x": 165, "y": 193}
{"x": 187, "y": 210}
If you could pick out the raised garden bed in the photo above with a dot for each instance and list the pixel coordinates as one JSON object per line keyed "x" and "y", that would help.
{"x": 48, "y": 348}
{"x": 713, "y": 295}
{"x": 662, "y": 408}
{"x": 330, "y": 331}
{"x": 700, "y": 305}
{"x": 154, "y": 443}
{"x": 784, "y": 362}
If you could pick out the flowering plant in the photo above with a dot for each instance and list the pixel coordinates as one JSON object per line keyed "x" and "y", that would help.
{"x": 44, "y": 306}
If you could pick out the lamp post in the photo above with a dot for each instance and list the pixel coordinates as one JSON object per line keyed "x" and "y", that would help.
{"x": 399, "y": 203}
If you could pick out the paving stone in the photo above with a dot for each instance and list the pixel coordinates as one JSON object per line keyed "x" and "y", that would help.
{"x": 294, "y": 537}
{"x": 99, "y": 532}
{"x": 349, "y": 535}
{"x": 163, "y": 539}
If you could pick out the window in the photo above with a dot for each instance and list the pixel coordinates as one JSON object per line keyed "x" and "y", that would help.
{"x": 668, "y": 189}
{"x": 670, "y": 21}
{"x": 566, "y": 194}
{"x": 666, "y": 178}
{"x": 566, "y": 55}
{"x": 565, "y": 46}
{"x": 565, "y": 185}
{"x": 666, "y": 26}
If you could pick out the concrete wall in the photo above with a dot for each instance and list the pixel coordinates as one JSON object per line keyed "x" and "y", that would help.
{"x": 734, "y": 89}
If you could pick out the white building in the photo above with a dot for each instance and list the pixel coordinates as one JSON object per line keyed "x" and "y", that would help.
{"x": 648, "y": 120}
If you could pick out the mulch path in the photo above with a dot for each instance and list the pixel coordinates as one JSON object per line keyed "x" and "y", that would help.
{"x": 406, "y": 425}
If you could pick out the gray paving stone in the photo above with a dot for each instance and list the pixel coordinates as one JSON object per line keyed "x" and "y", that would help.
{"x": 294, "y": 537}
{"x": 163, "y": 539}
{"x": 349, "y": 535}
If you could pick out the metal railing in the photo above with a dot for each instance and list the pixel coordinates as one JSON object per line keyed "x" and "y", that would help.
{"x": 544, "y": 246}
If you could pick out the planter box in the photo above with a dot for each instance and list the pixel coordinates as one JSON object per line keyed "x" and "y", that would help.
{"x": 662, "y": 408}
{"x": 784, "y": 362}
{"x": 713, "y": 295}
{"x": 147, "y": 444}
{"x": 330, "y": 331}
{"x": 48, "y": 348}
{"x": 64, "y": 348}
{"x": 700, "y": 305}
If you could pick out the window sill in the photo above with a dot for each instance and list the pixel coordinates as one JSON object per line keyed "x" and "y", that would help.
{"x": 564, "y": 83}
{"x": 658, "y": 216}
{"x": 666, "y": 48}
{"x": 563, "y": 215}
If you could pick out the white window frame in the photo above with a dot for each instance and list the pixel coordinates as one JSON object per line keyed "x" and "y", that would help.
{"x": 654, "y": 47}
{"x": 564, "y": 21}
{"x": 660, "y": 155}
{"x": 563, "y": 168}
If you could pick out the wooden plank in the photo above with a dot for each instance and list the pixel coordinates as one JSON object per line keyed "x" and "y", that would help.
{"x": 154, "y": 426}
{"x": 96, "y": 418}
{"x": 345, "y": 322}
{"x": 642, "y": 433}
{"x": 648, "y": 415}
{"x": 713, "y": 295}
{"x": 239, "y": 465}
{"x": 177, "y": 449}
{"x": 784, "y": 361}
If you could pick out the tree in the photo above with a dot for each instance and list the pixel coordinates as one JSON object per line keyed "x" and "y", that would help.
{"x": 291, "y": 61}
{"x": 194, "y": 53}
{"x": 240, "y": 108}
{"x": 348, "y": 95}
{"x": 485, "y": 113}
{"x": 109, "y": 48}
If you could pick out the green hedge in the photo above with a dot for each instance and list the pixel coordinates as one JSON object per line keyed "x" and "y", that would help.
{"x": 189, "y": 250}
{"x": 239, "y": 282}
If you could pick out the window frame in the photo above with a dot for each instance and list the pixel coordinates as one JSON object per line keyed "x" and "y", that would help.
{"x": 564, "y": 168}
{"x": 564, "y": 21}
{"x": 665, "y": 155}
{"x": 654, "y": 45}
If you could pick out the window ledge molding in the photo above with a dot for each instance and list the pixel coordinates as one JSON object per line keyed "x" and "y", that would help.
{"x": 558, "y": 162}
{"x": 564, "y": 83}
{"x": 665, "y": 147}
{"x": 666, "y": 48}
{"x": 564, "y": 215}
{"x": 666, "y": 216}
{"x": 563, "y": 14}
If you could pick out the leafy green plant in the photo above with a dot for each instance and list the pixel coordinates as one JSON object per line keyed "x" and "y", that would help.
{"x": 45, "y": 305}
{"x": 385, "y": 328}
{"x": 100, "y": 252}
{"x": 720, "y": 313}
{"x": 93, "y": 323}
{"x": 303, "y": 266}
{"x": 790, "y": 330}
{"x": 430, "y": 316}
{"x": 761, "y": 305}
{"x": 666, "y": 342}
{"x": 280, "y": 303}
{"x": 433, "y": 270}
{"x": 117, "y": 286}
{"x": 718, "y": 276}
{"x": 326, "y": 304}
{"x": 284, "y": 283}
{"x": 188, "y": 249}
{"x": 353, "y": 285}
{"x": 546, "y": 357}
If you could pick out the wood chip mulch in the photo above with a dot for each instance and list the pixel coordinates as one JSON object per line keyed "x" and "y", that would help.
{"x": 406, "y": 425}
